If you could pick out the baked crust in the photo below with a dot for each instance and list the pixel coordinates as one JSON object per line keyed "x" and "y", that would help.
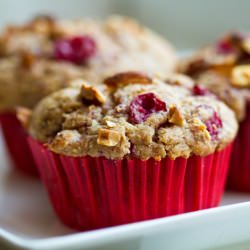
{"x": 72, "y": 125}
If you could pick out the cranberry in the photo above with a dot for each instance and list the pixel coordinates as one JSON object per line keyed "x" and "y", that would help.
{"x": 143, "y": 105}
{"x": 198, "y": 90}
{"x": 230, "y": 43}
{"x": 224, "y": 47}
{"x": 214, "y": 124}
{"x": 77, "y": 49}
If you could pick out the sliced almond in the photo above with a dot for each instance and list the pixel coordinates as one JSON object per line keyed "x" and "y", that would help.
{"x": 91, "y": 93}
{"x": 175, "y": 116}
{"x": 246, "y": 45}
{"x": 129, "y": 77}
{"x": 200, "y": 126}
{"x": 110, "y": 124}
{"x": 23, "y": 115}
{"x": 67, "y": 142}
{"x": 108, "y": 137}
{"x": 240, "y": 76}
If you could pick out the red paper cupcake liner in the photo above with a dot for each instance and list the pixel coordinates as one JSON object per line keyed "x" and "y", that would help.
{"x": 239, "y": 170}
{"x": 16, "y": 141}
{"x": 89, "y": 193}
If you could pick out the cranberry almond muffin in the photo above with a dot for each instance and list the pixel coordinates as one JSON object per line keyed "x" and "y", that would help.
{"x": 43, "y": 55}
{"x": 224, "y": 69}
{"x": 131, "y": 148}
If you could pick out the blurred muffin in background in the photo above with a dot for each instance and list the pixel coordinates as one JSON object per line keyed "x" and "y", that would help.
{"x": 223, "y": 68}
{"x": 43, "y": 55}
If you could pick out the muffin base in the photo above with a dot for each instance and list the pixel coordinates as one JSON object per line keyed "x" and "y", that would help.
{"x": 16, "y": 141}
{"x": 89, "y": 193}
{"x": 239, "y": 170}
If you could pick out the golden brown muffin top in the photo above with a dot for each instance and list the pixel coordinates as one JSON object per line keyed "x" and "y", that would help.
{"x": 133, "y": 115}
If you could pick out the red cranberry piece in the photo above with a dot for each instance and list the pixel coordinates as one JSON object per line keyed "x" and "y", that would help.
{"x": 143, "y": 105}
{"x": 229, "y": 43}
{"x": 224, "y": 47}
{"x": 76, "y": 50}
{"x": 198, "y": 90}
{"x": 214, "y": 124}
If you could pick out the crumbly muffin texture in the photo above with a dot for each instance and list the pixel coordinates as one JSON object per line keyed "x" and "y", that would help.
{"x": 224, "y": 69}
{"x": 45, "y": 54}
{"x": 133, "y": 115}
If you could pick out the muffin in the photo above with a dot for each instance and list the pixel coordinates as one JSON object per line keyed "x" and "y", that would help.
{"x": 130, "y": 148}
{"x": 43, "y": 55}
{"x": 223, "y": 68}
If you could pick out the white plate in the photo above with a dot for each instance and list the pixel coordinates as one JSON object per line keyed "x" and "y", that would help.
{"x": 28, "y": 222}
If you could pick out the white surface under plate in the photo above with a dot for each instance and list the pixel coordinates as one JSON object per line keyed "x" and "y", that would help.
{"x": 28, "y": 222}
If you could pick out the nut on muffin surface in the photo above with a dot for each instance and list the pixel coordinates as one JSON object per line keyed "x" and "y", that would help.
{"x": 45, "y": 54}
{"x": 224, "y": 69}
{"x": 133, "y": 116}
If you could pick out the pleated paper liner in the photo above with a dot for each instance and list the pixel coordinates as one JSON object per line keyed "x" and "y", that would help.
{"x": 239, "y": 171}
{"x": 16, "y": 142}
{"x": 89, "y": 193}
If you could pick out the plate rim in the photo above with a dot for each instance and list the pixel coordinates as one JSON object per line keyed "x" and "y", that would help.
{"x": 101, "y": 236}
